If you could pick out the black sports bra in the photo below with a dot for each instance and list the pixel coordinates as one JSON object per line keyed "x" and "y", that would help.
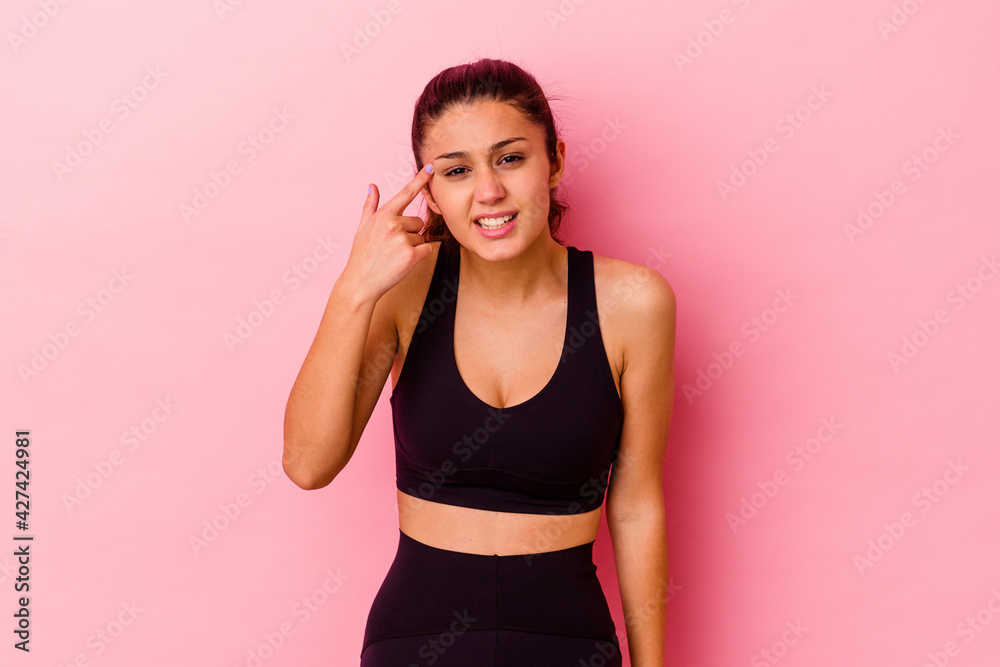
{"x": 550, "y": 454}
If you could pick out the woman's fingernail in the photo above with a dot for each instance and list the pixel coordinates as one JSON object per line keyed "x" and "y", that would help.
{"x": 429, "y": 167}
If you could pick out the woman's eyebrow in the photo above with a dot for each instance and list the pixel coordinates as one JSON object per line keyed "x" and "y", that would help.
{"x": 494, "y": 148}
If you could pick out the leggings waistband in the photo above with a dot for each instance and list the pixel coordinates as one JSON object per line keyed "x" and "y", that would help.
{"x": 553, "y": 592}
{"x": 578, "y": 551}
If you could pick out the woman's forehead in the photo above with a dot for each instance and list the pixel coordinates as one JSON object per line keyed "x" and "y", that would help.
{"x": 478, "y": 127}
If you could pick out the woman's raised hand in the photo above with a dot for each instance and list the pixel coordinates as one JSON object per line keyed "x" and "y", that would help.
{"x": 387, "y": 244}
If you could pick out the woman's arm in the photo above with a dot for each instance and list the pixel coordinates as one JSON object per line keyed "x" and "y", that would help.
{"x": 339, "y": 384}
{"x": 635, "y": 507}
{"x": 345, "y": 370}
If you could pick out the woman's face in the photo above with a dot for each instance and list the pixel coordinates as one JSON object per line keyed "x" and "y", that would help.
{"x": 474, "y": 174}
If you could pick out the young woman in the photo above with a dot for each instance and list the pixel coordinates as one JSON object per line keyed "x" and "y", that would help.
{"x": 531, "y": 379}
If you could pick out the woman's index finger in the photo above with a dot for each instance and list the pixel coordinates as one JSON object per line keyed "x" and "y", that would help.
{"x": 402, "y": 199}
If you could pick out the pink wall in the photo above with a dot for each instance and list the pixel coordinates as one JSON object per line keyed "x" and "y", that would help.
{"x": 838, "y": 476}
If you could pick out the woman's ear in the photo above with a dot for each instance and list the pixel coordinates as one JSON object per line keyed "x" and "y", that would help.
{"x": 430, "y": 200}
{"x": 556, "y": 169}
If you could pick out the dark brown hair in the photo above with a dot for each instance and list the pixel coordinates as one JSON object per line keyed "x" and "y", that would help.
{"x": 484, "y": 79}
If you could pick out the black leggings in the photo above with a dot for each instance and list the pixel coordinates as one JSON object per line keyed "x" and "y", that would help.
{"x": 452, "y": 609}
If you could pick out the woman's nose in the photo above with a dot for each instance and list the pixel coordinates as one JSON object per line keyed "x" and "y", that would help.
{"x": 488, "y": 186}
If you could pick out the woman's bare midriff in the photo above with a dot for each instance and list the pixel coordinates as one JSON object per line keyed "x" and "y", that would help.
{"x": 488, "y": 532}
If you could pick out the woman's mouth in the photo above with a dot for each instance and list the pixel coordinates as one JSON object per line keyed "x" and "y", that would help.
{"x": 495, "y": 227}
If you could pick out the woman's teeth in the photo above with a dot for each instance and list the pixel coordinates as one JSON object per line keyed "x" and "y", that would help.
{"x": 495, "y": 223}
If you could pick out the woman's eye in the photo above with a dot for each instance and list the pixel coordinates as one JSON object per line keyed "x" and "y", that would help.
{"x": 456, "y": 170}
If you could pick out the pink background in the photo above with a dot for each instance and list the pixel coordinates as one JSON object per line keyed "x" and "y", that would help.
{"x": 844, "y": 546}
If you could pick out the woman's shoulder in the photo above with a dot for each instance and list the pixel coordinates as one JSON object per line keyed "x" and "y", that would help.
{"x": 633, "y": 298}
